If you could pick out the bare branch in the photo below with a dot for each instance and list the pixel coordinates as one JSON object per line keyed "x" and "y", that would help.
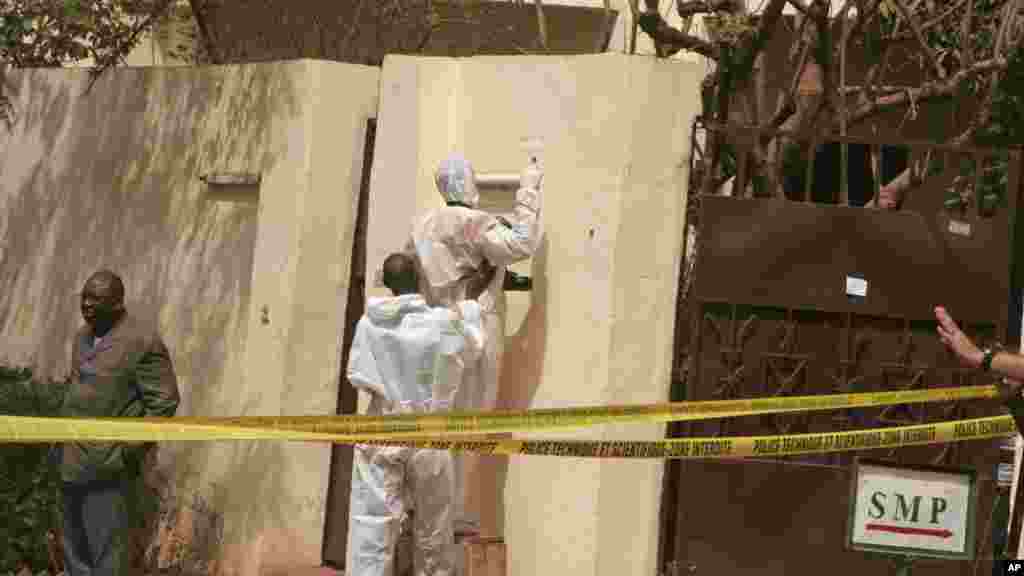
{"x": 199, "y": 13}
{"x": 818, "y": 12}
{"x": 927, "y": 91}
{"x": 607, "y": 31}
{"x": 694, "y": 7}
{"x": 915, "y": 26}
{"x": 985, "y": 111}
{"x": 350, "y": 34}
{"x": 858, "y": 88}
{"x": 102, "y": 64}
{"x": 634, "y": 10}
{"x": 931, "y": 23}
{"x": 1009, "y": 17}
{"x": 788, "y": 106}
{"x": 664, "y": 35}
{"x": 799, "y": 6}
{"x": 967, "y": 57}
{"x": 542, "y": 25}
{"x": 765, "y": 30}
{"x": 863, "y": 17}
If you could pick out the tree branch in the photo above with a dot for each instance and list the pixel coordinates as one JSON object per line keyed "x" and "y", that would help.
{"x": 799, "y": 6}
{"x": 685, "y": 9}
{"x": 819, "y": 13}
{"x": 123, "y": 48}
{"x": 916, "y": 27}
{"x": 927, "y": 91}
{"x": 788, "y": 107}
{"x": 965, "y": 35}
{"x": 199, "y": 13}
{"x": 985, "y": 111}
{"x": 769, "y": 24}
{"x": 664, "y": 35}
{"x": 542, "y": 25}
{"x": 634, "y": 12}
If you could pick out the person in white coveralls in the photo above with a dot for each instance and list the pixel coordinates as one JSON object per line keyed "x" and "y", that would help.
{"x": 409, "y": 357}
{"x": 451, "y": 243}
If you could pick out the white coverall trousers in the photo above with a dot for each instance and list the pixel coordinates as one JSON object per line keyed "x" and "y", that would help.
{"x": 386, "y": 482}
{"x": 410, "y": 358}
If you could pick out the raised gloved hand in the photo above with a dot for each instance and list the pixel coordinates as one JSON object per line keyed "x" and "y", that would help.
{"x": 531, "y": 176}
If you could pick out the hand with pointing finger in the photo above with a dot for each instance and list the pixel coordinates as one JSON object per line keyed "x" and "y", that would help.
{"x": 957, "y": 342}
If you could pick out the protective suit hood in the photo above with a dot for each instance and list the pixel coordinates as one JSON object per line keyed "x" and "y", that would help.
{"x": 388, "y": 310}
{"x": 456, "y": 181}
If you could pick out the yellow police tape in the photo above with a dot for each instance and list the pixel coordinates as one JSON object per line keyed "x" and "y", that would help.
{"x": 733, "y": 446}
{"x": 545, "y": 420}
{"x": 27, "y": 429}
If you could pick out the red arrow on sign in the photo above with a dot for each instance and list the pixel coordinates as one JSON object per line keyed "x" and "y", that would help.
{"x": 937, "y": 533}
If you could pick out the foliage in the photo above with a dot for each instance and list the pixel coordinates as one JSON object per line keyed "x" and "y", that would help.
{"x": 1006, "y": 126}
{"x": 41, "y": 33}
{"x": 29, "y": 484}
{"x": 964, "y": 49}
{"x": 49, "y": 33}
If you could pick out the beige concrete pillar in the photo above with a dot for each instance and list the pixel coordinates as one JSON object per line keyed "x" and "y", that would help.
{"x": 598, "y": 326}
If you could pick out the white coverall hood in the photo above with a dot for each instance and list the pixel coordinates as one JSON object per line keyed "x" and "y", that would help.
{"x": 456, "y": 181}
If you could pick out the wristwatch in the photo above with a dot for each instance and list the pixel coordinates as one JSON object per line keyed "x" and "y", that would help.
{"x": 986, "y": 361}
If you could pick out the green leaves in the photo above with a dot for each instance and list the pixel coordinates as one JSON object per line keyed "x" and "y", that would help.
{"x": 72, "y": 8}
{"x": 29, "y": 501}
{"x": 47, "y": 33}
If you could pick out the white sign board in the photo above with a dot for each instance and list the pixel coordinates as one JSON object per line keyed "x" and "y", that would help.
{"x": 914, "y": 511}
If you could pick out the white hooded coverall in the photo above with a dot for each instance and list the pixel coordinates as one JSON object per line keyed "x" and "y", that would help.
{"x": 410, "y": 358}
{"x": 450, "y": 243}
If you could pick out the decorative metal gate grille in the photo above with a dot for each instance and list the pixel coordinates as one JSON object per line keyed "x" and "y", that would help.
{"x": 766, "y": 313}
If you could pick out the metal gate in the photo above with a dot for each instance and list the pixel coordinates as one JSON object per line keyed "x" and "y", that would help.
{"x": 765, "y": 312}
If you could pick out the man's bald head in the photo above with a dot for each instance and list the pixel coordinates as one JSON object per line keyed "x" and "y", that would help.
{"x": 102, "y": 301}
{"x": 400, "y": 274}
{"x": 109, "y": 280}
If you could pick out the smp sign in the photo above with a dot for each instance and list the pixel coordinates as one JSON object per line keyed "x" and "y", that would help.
{"x": 912, "y": 511}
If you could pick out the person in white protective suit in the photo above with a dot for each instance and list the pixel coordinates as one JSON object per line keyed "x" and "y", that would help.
{"x": 451, "y": 242}
{"x": 409, "y": 357}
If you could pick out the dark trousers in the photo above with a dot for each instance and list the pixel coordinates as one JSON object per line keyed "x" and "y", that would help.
{"x": 98, "y": 522}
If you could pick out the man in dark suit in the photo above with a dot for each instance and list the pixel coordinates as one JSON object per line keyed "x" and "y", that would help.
{"x": 119, "y": 368}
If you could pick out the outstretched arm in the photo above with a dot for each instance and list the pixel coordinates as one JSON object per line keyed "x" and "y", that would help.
{"x": 507, "y": 241}
{"x": 1003, "y": 363}
{"x": 1011, "y": 366}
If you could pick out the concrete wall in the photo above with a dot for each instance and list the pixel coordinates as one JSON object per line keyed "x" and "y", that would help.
{"x": 249, "y": 287}
{"x": 597, "y": 328}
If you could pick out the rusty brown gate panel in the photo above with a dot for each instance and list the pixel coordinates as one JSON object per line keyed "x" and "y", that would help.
{"x": 768, "y": 315}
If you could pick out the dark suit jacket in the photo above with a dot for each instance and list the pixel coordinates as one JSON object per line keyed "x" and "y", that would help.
{"x": 128, "y": 374}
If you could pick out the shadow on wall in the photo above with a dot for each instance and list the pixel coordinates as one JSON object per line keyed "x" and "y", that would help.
{"x": 110, "y": 179}
{"x": 523, "y": 361}
{"x": 523, "y": 364}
